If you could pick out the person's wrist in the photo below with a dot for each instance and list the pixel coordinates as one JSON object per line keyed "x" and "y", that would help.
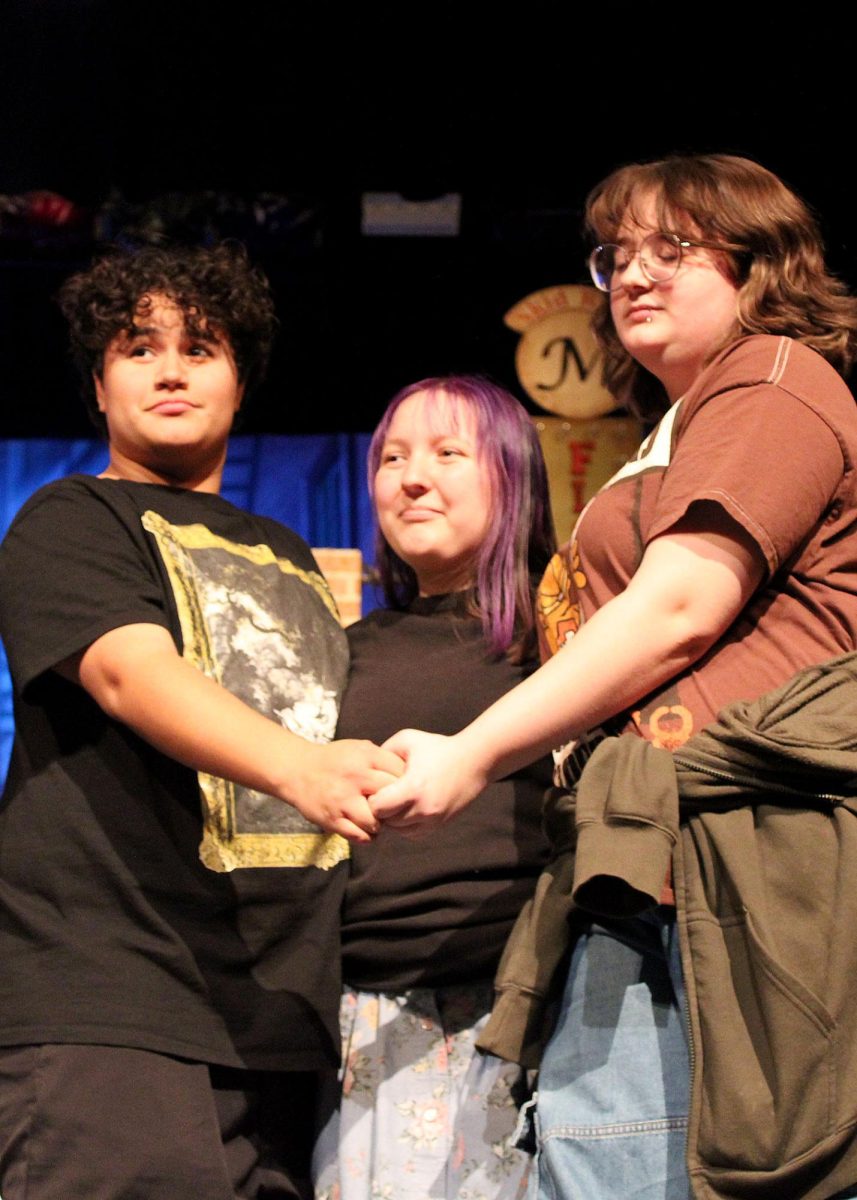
{"x": 474, "y": 754}
{"x": 296, "y": 769}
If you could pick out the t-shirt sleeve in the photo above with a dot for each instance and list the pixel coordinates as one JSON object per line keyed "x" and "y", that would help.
{"x": 70, "y": 571}
{"x": 768, "y": 458}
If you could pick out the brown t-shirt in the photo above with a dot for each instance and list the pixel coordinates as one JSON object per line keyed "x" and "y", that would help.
{"x": 768, "y": 431}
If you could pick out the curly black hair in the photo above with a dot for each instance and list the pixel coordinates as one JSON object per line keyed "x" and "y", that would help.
{"x": 217, "y": 287}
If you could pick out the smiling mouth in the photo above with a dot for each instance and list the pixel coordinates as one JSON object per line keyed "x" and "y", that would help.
{"x": 418, "y": 514}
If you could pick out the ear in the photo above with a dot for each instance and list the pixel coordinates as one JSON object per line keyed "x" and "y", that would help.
{"x": 99, "y": 392}
{"x": 239, "y": 396}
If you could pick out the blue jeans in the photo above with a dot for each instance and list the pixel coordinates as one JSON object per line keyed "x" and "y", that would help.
{"x": 614, "y": 1086}
{"x": 613, "y": 1098}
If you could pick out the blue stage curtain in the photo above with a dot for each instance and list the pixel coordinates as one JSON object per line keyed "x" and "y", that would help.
{"x": 316, "y": 484}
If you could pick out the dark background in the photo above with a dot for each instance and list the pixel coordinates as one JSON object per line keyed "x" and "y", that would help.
{"x": 117, "y": 105}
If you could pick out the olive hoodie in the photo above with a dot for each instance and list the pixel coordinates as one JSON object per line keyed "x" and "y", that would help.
{"x": 756, "y": 815}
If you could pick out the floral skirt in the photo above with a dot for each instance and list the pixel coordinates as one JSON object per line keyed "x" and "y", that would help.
{"x": 423, "y": 1115}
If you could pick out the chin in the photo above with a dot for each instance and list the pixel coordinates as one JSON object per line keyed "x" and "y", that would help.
{"x": 648, "y": 352}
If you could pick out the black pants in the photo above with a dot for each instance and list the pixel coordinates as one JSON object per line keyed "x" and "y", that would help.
{"x": 104, "y": 1123}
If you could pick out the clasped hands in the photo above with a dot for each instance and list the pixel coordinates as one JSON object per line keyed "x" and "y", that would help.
{"x": 413, "y": 783}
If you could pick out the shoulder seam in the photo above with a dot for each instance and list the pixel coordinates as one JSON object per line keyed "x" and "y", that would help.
{"x": 780, "y": 360}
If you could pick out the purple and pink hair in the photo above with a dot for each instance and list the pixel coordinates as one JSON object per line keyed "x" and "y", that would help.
{"x": 520, "y": 537}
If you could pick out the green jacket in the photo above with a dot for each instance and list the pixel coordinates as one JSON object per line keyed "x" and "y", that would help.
{"x": 764, "y": 860}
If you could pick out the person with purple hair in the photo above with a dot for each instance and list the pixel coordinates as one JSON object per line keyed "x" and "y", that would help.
{"x": 460, "y": 491}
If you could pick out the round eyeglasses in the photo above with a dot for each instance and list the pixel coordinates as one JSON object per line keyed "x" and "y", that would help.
{"x": 660, "y": 257}
{"x": 659, "y": 254}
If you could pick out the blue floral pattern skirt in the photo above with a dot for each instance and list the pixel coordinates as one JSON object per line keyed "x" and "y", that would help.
{"x": 423, "y": 1115}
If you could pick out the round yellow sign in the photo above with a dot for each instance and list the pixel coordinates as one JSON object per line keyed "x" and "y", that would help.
{"x": 558, "y": 360}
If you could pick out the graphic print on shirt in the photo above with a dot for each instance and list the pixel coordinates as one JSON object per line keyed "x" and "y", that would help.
{"x": 558, "y": 611}
{"x": 228, "y": 597}
{"x": 667, "y": 726}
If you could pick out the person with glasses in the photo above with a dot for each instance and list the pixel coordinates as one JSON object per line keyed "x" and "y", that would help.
{"x": 716, "y": 566}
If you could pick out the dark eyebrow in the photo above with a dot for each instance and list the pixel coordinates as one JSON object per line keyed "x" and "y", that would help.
{"x": 199, "y": 335}
{"x": 194, "y": 330}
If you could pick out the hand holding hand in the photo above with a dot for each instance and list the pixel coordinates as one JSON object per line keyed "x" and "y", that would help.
{"x": 334, "y": 782}
{"x": 439, "y": 780}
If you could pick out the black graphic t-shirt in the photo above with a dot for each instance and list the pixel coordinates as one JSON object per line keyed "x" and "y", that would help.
{"x": 143, "y": 904}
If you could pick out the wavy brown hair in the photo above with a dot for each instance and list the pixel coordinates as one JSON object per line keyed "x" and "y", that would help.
{"x": 215, "y": 287}
{"x": 785, "y": 287}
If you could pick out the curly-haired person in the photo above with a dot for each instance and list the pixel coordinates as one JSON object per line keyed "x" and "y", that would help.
{"x": 174, "y": 828}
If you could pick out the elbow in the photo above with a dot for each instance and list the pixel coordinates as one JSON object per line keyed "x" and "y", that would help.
{"x": 129, "y": 668}
{"x": 108, "y": 693}
{"x": 108, "y": 686}
{"x": 692, "y": 633}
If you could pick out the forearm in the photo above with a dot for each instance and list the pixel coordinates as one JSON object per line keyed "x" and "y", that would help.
{"x": 688, "y": 590}
{"x": 194, "y": 720}
{"x": 136, "y": 676}
{"x": 620, "y": 655}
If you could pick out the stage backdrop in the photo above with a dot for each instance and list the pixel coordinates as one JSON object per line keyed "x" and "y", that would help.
{"x": 316, "y": 484}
